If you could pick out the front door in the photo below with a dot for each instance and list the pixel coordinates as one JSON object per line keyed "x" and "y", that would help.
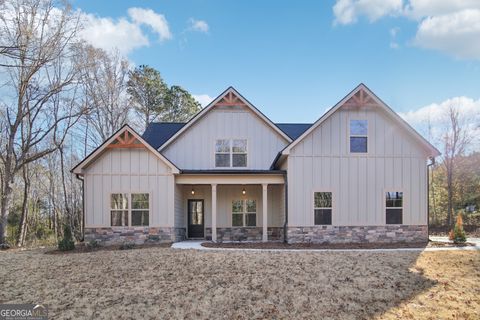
{"x": 195, "y": 219}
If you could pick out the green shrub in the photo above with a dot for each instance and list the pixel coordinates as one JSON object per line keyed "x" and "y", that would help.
{"x": 92, "y": 244}
{"x": 127, "y": 246}
{"x": 66, "y": 243}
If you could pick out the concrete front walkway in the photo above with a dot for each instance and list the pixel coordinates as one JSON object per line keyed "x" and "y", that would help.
{"x": 197, "y": 245}
{"x": 445, "y": 239}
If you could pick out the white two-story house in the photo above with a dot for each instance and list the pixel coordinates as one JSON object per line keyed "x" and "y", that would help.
{"x": 357, "y": 174}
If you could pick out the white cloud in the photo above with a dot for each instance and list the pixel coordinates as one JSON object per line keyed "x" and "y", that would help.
{"x": 108, "y": 34}
{"x": 125, "y": 33}
{"x": 203, "y": 99}
{"x": 154, "y": 20}
{"x": 426, "y": 8}
{"x": 393, "y": 38}
{"x": 450, "y": 26}
{"x": 348, "y": 11}
{"x": 435, "y": 116}
{"x": 199, "y": 25}
{"x": 457, "y": 34}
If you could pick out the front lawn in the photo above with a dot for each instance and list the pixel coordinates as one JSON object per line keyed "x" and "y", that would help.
{"x": 167, "y": 283}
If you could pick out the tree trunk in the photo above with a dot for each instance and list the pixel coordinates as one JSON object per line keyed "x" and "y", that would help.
{"x": 23, "y": 219}
{"x": 450, "y": 194}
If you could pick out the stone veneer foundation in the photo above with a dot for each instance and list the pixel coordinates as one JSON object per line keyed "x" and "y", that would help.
{"x": 358, "y": 234}
{"x": 245, "y": 234}
{"x": 139, "y": 235}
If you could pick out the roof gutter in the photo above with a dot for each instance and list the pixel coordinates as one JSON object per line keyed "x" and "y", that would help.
{"x": 432, "y": 162}
{"x": 79, "y": 177}
{"x": 285, "y": 223}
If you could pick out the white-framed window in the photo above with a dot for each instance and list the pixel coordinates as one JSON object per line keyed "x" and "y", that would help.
{"x": 231, "y": 153}
{"x": 122, "y": 214}
{"x": 322, "y": 207}
{"x": 394, "y": 207}
{"x": 244, "y": 213}
{"x": 358, "y": 136}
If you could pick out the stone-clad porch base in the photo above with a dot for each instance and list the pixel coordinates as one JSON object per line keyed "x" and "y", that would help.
{"x": 139, "y": 235}
{"x": 245, "y": 234}
{"x": 359, "y": 234}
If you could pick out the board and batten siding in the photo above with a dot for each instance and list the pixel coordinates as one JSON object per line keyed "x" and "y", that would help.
{"x": 358, "y": 182}
{"x": 195, "y": 148}
{"x": 128, "y": 171}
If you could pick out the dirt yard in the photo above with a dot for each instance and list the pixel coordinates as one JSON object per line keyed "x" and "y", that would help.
{"x": 164, "y": 283}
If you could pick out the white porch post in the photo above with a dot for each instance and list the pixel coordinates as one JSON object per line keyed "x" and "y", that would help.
{"x": 214, "y": 212}
{"x": 264, "y": 211}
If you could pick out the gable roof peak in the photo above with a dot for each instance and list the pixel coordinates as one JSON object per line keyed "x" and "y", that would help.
{"x": 229, "y": 97}
{"x": 351, "y": 100}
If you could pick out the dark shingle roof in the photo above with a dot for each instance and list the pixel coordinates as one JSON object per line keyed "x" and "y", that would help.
{"x": 158, "y": 133}
{"x": 293, "y": 130}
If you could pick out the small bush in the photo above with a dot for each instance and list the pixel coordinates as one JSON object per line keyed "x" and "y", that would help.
{"x": 458, "y": 232}
{"x": 93, "y": 244}
{"x": 66, "y": 243}
{"x": 127, "y": 246}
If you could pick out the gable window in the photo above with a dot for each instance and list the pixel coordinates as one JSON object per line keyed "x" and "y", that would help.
{"x": 394, "y": 207}
{"x": 244, "y": 213}
{"x": 323, "y": 208}
{"x": 231, "y": 153}
{"x": 358, "y": 136}
{"x": 122, "y": 215}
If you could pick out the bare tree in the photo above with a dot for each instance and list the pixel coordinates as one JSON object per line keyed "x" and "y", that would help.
{"x": 455, "y": 139}
{"x": 42, "y": 106}
{"x": 104, "y": 80}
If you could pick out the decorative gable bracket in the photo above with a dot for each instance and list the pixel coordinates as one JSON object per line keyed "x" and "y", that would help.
{"x": 126, "y": 140}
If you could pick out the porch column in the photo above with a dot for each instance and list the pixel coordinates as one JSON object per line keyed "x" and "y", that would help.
{"x": 264, "y": 212}
{"x": 214, "y": 212}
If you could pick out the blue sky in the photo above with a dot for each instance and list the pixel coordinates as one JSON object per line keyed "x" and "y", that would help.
{"x": 292, "y": 59}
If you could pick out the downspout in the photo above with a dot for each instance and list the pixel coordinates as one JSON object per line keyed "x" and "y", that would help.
{"x": 432, "y": 162}
{"x": 285, "y": 224}
{"x": 79, "y": 177}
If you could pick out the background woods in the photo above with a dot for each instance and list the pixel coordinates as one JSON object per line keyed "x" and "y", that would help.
{"x": 60, "y": 98}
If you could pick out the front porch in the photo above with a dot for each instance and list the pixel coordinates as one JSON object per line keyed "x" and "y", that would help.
{"x": 231, "y": 206}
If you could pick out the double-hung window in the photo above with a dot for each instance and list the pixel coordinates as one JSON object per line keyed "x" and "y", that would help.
{"x": 123, "y": 215}
{"x": 358, "y": 136}
{"x": 244, "y": 213}
{"x": 394, "y": 207}
{"x": 231, "y": 153}
{"x": 322, "y": 207}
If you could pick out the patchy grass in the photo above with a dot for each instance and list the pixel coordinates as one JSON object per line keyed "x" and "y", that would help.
{"x": 333, "y": 246}
{"x": 166, "y": 283}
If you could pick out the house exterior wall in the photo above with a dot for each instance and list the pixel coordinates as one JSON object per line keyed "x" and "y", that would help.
{"x": 358, "y": 182}
{"x": 195, "y": 148}
{"x": 128, "y": 171}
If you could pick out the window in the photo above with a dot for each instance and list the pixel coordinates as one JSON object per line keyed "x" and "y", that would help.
{"x": 323, "y": 208}
{"x": 394, "y": 207}
{"x": 140, "y": 206}
{"x": 358, "y": 136}
{"x": 119, "y": 209}
{"x": 231, "y": 153}
{"x": 244, "y": 213}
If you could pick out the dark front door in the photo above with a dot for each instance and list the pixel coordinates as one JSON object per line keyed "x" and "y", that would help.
{"x": 195, "y": 219}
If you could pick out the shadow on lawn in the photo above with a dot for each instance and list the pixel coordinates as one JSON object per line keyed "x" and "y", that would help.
{"x": 390, "y": 280}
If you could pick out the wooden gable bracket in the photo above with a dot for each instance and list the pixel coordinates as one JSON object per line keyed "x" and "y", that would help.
{"x": 361, "y": 99}
{"x": 126, "y": 140}
{"x": 230, "y": 100}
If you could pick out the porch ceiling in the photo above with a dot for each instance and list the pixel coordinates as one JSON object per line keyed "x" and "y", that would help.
{"x": 231, "y": 178}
